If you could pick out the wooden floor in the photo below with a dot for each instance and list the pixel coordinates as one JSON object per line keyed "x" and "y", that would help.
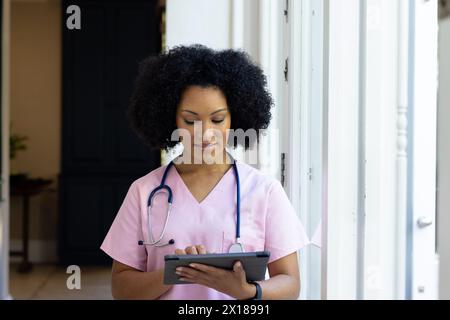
{"x": 50, "y": 282}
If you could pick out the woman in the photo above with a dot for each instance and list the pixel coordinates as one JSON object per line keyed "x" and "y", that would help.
{"x": 179, "y": 90}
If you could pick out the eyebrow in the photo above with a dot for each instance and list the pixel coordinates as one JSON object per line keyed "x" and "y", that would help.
{"x": 224, "y": 109}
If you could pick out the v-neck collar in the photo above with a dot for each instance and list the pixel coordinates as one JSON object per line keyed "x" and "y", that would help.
{"x": 211, "y": 192}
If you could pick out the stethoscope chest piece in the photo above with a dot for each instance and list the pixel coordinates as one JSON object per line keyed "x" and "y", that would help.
{"x": 236, "y": 247}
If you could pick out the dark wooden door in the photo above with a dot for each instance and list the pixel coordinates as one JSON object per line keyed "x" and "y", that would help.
{"x": 101, "y": 156}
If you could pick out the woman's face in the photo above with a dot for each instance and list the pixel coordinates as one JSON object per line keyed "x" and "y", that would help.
{"x": 206, "y": 110}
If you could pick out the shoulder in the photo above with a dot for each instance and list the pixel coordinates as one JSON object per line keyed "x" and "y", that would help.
{"x": 151, "y": 179}
{"x": 255, "y": 178}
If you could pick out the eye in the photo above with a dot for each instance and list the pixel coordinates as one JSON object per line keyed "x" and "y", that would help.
{"x": 188, "y": 122}
{"x": 217, "y": 120}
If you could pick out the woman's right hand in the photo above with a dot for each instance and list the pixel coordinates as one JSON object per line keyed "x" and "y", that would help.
{"x": 193, "y": 249}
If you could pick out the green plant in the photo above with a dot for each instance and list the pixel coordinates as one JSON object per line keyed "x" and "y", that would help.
{"x": 16, "y": 143}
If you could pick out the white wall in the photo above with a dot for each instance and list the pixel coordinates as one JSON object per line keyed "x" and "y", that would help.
{"x": 39, "y": 94}
{"x": 198, "y": 21}
{"x": 381, "y": 148}
{"x": 342, "y": 175}
{"x": 443, "y": 205}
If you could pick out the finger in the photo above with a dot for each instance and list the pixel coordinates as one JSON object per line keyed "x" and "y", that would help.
{"x": 205, "y": 268}
{"x": 191, "y": 250}
{"x": 180, "y": 251}
{"x": 194, "y": 276}
{"x": 188, "y": 273}
{"x": 238, "y": 270}
{"x": 201, "y": 249}
{"x": 198, "y": 280}
{"x": 237, "y": 267}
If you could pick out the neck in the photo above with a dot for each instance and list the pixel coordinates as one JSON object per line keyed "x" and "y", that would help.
{"x": 217, "y": 166}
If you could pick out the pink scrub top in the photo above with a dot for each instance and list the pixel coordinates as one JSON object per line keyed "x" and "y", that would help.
{"x": 268, "y": 222}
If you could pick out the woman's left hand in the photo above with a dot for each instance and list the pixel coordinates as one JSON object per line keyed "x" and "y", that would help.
{"x": 231, "y": 282}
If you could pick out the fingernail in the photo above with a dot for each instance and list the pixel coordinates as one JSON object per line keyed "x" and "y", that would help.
{"x": 178, "y": 272}
{"x": 192, "y": 265}
{"x": 179, "y": 269}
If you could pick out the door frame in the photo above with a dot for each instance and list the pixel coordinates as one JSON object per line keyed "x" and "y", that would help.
{"x": 5, "y": 18}
{"x": 302, "y": 133}
{"x": 422, "y": 260}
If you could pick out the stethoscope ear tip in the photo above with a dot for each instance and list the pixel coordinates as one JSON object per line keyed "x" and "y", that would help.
{"x": 140, "y": 242}
{"x": 171, "y": 241}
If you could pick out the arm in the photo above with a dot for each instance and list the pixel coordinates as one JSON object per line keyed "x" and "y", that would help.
{"x": 284, "y": 282}
{"x": 130, "y": 283}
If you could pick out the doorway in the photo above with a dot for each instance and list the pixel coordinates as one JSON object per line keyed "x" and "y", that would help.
{"x": 71, "y": 148}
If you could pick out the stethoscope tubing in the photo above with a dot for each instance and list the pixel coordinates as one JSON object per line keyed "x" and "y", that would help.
{"x": 163, "y": 186}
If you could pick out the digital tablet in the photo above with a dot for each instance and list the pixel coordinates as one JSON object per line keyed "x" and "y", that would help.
{"x": 254, "y": 264}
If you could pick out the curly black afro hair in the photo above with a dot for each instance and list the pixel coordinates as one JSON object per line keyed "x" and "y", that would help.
{"x": 163, "y": 78}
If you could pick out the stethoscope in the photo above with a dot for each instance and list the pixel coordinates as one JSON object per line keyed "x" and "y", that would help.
{"x": 236, "y": 247}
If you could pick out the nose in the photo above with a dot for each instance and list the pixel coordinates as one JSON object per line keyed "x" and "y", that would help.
{"x": 208, "y": 135}
{"x": 211, "y": 135}
{"x": 204, "y": 131}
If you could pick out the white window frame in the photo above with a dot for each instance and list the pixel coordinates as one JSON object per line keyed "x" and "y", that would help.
{"x": 342, "y": 55}
{"x": 4, "y": 185}
{"x": 422, "y": 277}
{"x": 407, "y": 265}
{"x": 302, "y": 137}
